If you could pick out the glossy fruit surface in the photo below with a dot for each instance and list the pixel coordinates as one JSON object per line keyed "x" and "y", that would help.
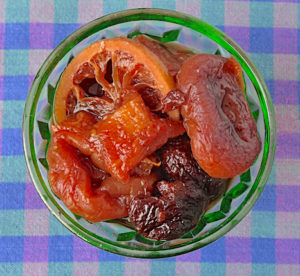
{"x": 217, "y": 117}
{"x": 105, "y": 69}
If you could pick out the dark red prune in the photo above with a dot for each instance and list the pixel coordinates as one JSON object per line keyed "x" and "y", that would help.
{"x": 173, "y": 100}
{"x": 109, "y": 72}
{"x": 177, "y": 160}
{"x": 214, "y": 187}
{"x": 150, "y": 97}
{"x": 170, "y": 215}
{"x": 178, "y": 163}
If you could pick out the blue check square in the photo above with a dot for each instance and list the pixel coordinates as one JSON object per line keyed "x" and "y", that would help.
{"x": 263, "y": 250}
{"x": 12, "y": 144}
{"x": 267, "y": 201}
{"x": 105, "y": 256}
{"x": 61, "y": 31}
{"x": 261, "y": 40}
{"x": 17, "y": 36}
{"x": 16, "y": 87}
{"x": 61, "y": 248}
{"x": 12, "y": 195}
{"x": 214, "y": 252}
{"x": 11, "y": 249}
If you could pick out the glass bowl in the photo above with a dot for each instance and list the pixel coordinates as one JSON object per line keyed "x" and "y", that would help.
{"x": 118, "y": 236}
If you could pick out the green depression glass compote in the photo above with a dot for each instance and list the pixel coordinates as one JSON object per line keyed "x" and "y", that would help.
{"x": 119, "y": 236}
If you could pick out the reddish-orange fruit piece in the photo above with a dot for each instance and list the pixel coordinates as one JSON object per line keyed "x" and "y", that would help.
{"x": 118, "y": 143}
{"x": 126, "y": 137}
{"x": 105, "y": 70}
{"x": 71, "y": 182}
{"x": 216, "y": 115}
{"x": 85, "y": 189}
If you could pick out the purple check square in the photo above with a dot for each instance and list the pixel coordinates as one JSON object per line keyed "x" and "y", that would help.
{"x": 193, "y": 257}
{"x": 32, "y": 199}
{"x": 2, "y": 35}
{"x": 41, "y": 35}
{"x": 104, "y": 256}
{"x": 240, "y": 35}
{"x": 238, "y": 250}
{"x": 287, "y": 251}
{"x": 285, "y": 92}
{"x": 83, "y": 252}
{"x": 285, "y": 41}
{"x": 287, "y": 198}
{"x": 35, "y": 249}
{"x": 288, "y": 145}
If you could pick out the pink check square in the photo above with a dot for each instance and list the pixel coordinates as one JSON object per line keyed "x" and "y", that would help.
{"x": 237, "y": 13}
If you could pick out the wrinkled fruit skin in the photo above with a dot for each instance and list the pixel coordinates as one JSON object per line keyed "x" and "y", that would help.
{"x": 86, "y": 189}
{"x": 71, "y": 182}
{"x": 178, "y": 163}
{"x": 170, "y": 215}
{"x": 177, "y": 205}
{"x": 217, "y": 117}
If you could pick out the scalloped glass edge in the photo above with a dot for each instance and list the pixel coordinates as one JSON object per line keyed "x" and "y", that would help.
{"x": 201, "y": 27}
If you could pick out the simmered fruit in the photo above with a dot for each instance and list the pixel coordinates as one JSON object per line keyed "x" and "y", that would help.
{"x": 148, "y": 130}
{"x": 84, "y": 188}
{"x": 71, "y": 182}
{"x": 123, "y": 139}
{"x": 105, "y": 70}
{"x": 217, "y": 117}
{"x": 169, "y": 216}
{"x": 178, "y": 163}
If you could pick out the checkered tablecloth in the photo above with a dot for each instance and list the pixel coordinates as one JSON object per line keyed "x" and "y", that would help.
{"x": 266, "y": 242}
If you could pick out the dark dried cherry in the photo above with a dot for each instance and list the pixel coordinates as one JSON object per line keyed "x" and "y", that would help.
{"x": 178, "y": 163}
{"x": 177, "y": 160}
{"x": 173, "y": 100}
{"x": 170, "y": 215}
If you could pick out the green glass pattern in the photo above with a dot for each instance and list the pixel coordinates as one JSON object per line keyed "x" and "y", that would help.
{"x": 168, "y": 36}
{"x": 218, "y": 52}
{"x": 127, "y": 236}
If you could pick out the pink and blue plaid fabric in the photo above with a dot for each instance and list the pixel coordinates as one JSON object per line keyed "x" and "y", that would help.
{"x": 266, "y": 242}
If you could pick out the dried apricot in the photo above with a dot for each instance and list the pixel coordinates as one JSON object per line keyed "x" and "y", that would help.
{"x": 216, "y": 115}
{"x": 85, "y": 189}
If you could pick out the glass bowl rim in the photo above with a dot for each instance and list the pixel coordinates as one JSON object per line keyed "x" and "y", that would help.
{"x": 199, "y": 26}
